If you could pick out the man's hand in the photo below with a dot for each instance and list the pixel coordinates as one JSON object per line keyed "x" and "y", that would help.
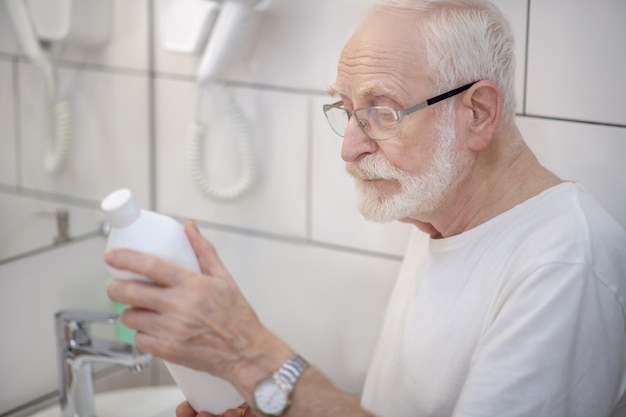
{"x": 198, "y": 320}
{"x": 203, "y": 321}
{"x": 185, "y": 410}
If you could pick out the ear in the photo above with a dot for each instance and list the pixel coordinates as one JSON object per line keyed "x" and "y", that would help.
{"x": 483, "y": 105}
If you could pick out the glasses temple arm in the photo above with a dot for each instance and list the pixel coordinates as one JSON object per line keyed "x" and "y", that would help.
{"x": 449, "y": 94}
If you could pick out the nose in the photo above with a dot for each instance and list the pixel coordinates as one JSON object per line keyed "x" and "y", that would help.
{"x": 356, "y": 144}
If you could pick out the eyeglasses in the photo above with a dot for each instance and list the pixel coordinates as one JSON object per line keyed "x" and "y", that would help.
{"x": 379, "y": 122}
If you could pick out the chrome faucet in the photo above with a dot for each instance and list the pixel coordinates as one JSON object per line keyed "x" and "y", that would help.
{"x": 77, "y": 351}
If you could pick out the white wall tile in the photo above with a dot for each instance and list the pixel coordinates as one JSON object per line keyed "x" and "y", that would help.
{"x": 29, "y": 223}
{"x": 128, "y": 43}
{"x": 278, "y": 122}
{"x": 335, "y": 218}
{"x": 32, "y": 290}
{"x": 576, "y": 62}
{"x": 327, "y": 304}
{"x": 300, "y": 43}
{"x": 8, "y": 40}
{"x": 592, "y": 155}
{"x": 8, "y": 140}
{"x": 110, "y": 133}
{"x": 166, "y": 61}
{"x": 516, "y": 12}
{"x": 127, "y": 46}
{"x": 297, "y": 45}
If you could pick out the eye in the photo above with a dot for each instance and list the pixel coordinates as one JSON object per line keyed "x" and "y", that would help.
{"x": 385, "y": 116}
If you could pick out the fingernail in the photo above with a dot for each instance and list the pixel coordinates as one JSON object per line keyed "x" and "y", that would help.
{"x": 109, "y": 257}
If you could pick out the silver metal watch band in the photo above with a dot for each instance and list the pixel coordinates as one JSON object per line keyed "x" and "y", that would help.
{"x": 285, "y": 379}
{"x": 291, "y": 370}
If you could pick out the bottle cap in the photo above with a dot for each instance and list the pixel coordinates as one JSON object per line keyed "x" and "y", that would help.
{"x": 120, "y": 208}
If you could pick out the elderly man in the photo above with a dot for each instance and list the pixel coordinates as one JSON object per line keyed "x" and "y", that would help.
{"x": 510, "y": 300}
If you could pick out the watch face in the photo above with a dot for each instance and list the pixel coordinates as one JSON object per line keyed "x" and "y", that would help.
{"x": 270, "y": 397}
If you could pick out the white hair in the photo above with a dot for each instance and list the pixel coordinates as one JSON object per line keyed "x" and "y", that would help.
{"x": 466, "y": 41}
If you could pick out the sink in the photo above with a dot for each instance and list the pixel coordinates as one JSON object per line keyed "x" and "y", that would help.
{"x": 158, "y": 401}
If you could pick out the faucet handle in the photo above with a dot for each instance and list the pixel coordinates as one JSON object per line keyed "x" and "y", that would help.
{"x": 91, "y": 316}
{"x": 73, "y": 326}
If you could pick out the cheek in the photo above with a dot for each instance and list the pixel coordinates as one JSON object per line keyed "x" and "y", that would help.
{"x": 409, "y": 159}
{"x": 416, "y": 147}
{"x": 411, "y": 155}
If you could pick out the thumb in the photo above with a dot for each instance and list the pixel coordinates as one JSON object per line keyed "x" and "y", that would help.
{"x": 209, "y": 260}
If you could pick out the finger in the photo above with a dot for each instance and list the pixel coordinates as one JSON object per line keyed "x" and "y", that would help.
{"x": 141, "y": 320}
{"x": 171, "y": 327}
{"x": 152, "y": 339}
{"x": 210, "y": 262}
{"x": 149, "y": 344}
{"x": 137, "y": 294}
{"x": 249, "y": 413}
{"x": 243, "y": 410}
{"x": 158, "y": 270}
{"x": 185, "y": 410}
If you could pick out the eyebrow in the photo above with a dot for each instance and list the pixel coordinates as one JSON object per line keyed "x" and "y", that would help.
{"x": 375, "y": 88}
{"x": 332, "y": 90}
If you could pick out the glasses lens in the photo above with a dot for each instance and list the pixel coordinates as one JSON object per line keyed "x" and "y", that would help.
{"x": 337, "y": 118}
{"x": 378, "y": 122}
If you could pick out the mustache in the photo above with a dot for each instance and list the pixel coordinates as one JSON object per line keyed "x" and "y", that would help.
{"x": 373, "y": 167}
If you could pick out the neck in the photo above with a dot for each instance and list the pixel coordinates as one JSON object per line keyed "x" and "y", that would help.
{"x": 503, "y": 176}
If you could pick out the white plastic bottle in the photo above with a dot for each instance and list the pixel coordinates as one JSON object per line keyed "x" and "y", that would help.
{"x": 162, "y": 236}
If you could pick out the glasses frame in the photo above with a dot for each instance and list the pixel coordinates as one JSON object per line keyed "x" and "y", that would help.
{"x": 398, "y": 114}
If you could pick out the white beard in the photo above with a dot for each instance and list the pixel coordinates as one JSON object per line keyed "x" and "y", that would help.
{"x": 419, "y": 194}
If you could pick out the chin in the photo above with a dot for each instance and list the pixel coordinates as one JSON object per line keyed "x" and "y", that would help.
{"x": 384, "y": 206}
{"x": 377, "y": 207}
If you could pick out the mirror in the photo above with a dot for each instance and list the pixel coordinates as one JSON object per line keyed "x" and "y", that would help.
{"x": 33, "y": 34}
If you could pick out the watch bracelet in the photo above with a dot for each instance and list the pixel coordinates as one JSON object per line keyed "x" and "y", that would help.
{"x": 291, "y": 370}
{"x": 287, "y": 376}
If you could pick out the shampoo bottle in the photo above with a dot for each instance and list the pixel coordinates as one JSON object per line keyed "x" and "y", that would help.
{"x": 162, "y": 236}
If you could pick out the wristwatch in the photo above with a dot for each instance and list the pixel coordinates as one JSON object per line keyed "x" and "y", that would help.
{"x": 272, "y": 396}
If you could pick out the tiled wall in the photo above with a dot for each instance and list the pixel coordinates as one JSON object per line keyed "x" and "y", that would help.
{"x": 296, "y": 235}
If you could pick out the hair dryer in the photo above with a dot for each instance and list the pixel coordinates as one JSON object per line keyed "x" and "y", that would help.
{"x": 230, "y": 26}
{"x": 231, "y": 37}
{"x": 78, "y": 21}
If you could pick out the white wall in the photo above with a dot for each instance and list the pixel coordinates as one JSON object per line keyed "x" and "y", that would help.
{"x": 71, "y": 276}
{"x": 298, "y": 229}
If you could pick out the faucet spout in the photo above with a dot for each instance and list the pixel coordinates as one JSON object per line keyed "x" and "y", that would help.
{"x": 78, "y": 351}
{"x": 110, "y": 351}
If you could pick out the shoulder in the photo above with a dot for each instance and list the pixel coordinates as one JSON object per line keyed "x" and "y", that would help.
{"x": 566, "y": 223}
{"x": 567, "y": 226}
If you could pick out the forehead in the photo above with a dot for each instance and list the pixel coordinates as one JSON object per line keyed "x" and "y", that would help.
{"x": 385, "y": 56}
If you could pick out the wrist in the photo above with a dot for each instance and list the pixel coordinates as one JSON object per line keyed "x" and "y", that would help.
{"x": 258, "y": 364}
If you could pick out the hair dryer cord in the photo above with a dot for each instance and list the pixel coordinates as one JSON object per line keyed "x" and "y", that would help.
{"x": 243, "y": 140}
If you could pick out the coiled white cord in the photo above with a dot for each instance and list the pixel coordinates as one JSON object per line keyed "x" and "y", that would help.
{"x": 59, "y": 144}
{"x": 59, "y": 126}
{"x": 59, "y": 117}
{"x": 196, "y": 138}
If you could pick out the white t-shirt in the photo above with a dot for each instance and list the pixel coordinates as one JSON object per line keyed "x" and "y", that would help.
{"x": 523, "y": 315}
